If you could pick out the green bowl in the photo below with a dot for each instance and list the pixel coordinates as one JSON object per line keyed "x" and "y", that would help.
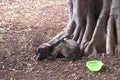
{"x": 94, "y": 65}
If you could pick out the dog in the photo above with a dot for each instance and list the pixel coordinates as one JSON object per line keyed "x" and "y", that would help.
{"x": 68, "y": 48}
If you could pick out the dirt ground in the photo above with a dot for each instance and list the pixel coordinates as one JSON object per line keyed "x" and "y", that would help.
{"x": 23, "y": 26}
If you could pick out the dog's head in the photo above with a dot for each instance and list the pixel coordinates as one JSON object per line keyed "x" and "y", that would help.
{"x": 43, "y": 51}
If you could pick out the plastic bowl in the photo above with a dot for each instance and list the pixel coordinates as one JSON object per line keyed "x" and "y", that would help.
{"x": 94, "y": 65}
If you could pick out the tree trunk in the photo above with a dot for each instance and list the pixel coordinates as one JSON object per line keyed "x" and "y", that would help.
{"x": 94, "y": 24}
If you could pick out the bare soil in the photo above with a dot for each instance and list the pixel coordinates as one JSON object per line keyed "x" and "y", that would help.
{"x": 26, "y": 24}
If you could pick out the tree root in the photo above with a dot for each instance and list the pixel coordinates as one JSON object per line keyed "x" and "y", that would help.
{"x": 110, "y": 44}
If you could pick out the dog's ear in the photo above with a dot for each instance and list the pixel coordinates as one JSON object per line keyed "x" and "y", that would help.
{"x": 44, "y": 46}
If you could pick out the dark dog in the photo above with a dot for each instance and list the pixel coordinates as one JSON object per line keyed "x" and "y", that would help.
{"x": 69, "y": 49}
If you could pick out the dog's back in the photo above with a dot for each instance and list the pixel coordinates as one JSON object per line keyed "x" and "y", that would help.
{"x": 69, "y": 49}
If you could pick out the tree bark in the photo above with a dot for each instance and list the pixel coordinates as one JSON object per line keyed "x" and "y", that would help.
{"x": 94, "y": 24}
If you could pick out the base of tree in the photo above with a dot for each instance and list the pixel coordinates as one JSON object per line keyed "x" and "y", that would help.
{"x": 94, "y": 25}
